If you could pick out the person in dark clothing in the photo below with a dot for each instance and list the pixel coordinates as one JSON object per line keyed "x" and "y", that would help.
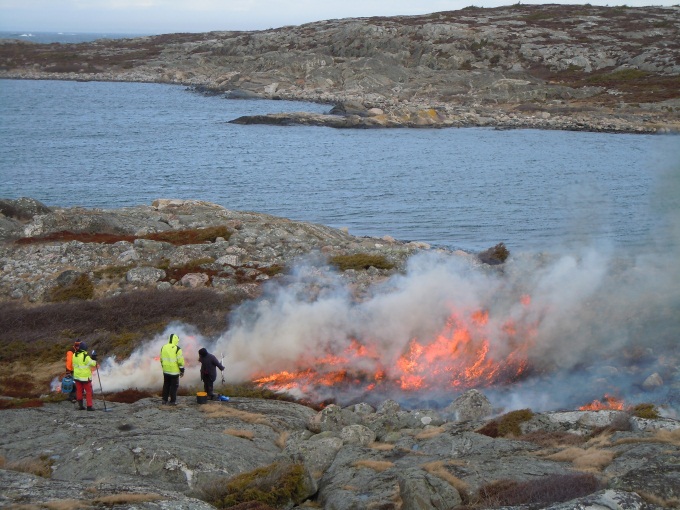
{"x": 209, "y": 366}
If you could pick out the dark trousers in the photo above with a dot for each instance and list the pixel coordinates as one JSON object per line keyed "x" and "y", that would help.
{"x": 208, "y": 385}
{"x": 170, "y": 387}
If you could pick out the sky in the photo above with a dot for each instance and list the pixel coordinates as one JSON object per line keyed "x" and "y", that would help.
{"x": 170, "y": 16}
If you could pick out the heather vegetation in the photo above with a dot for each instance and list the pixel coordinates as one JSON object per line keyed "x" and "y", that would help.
{"x": 507, "y": 425}
{"x": 495, "y": 255}
{"x": 112, "y": 326}
{"x": 360, "y": 261}
{"x": 175, "y": 237}
{"x": 546, "y": 489}
{"x": 278, "y": 485}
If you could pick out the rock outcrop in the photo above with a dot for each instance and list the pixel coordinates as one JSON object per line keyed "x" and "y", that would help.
{"x": 577, "y": 67}
{"x": 45, "y": 248}
{"x": 157, "y": 456}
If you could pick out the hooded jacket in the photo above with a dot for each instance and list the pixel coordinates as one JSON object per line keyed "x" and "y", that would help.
{"x": 209, "y": 365}
{"x": 82, "y": 366}
{"x": 172, "y": 359}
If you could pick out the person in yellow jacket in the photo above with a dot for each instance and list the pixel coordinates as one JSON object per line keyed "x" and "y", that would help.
{"x": 172, "y": 361}
{"x": 82, "y": 374}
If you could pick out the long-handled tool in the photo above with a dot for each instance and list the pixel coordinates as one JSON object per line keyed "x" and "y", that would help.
{"x": 222, "y": 371}
{"x": 100, "y": 385}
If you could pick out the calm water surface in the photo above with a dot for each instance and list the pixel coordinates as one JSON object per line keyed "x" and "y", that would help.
{"x": 119, "y": 144}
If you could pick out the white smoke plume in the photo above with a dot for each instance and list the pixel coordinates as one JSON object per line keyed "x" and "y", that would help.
{"x": 600, "y": 320}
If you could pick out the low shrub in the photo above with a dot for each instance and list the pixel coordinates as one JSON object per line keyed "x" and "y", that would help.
{"x": 646, "y": 410}
{"x": 547, "y": 489}
{"x": 81, "y": 288}
{"x": 360, "y": 261}
{"x": 553, "y": 439}
{"x": 278, "y": 485}
{"x": 507, "y": 424}
{"x": 192, "y": 236}
{"x": 495, "y": 255}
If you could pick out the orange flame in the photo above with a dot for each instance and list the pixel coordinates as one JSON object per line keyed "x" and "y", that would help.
{"x": 609, "y": 402}
{"x": 461, "y": 356}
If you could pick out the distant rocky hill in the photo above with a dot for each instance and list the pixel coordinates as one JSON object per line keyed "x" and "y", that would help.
{"x": 577, "y": 67}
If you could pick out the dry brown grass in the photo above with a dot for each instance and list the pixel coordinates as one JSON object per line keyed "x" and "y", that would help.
{"x": 282, "y": 439}
{"x": 122, "y": 499}
{"x": 438, "y": 469}
{"x": 66, "y": 504}
{"x": 41, "y": 466}
{"x": 375, "y": 465}
{"x": 382, "y": 447}
{"x": 430, "y": 433}
{"x": 585, "y": 459}
{"x": 671, "y": 437}
{"x": 659, "y": 501}
{"x": 220, "y": 411}
{"x": 245, "y": 434}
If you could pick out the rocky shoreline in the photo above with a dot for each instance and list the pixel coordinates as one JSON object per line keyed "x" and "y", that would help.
{"x": 38, "y": 263}
{"x": 147, "y": 456}
{"x": 585, "y": 68}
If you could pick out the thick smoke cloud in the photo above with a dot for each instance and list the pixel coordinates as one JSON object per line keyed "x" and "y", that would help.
{"x": 598, "y": 319}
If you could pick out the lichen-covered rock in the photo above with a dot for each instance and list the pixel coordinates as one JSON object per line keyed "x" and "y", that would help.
{"x": 357, "y": 434}
{"x": 471, "y": 405}
{"x": 332, "y": 418}
{"x": 144, "y": 275}
{"x": 420, "y": 490}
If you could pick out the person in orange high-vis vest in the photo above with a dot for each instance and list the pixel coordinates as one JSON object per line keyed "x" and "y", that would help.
{"x": 69, "y": 367}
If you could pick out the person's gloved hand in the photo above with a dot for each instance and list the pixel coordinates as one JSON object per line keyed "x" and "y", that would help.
{"x": 181, "y": 372}
{"x": 94, "y": 356}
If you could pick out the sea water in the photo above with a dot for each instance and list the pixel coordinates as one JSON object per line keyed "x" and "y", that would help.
{"x": 111, "y": 145}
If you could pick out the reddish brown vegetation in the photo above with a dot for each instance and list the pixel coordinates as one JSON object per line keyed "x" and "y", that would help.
{"x": 20, "y": 404}
{"x": 176, "y": 237}
{"x": 547, "y": 489}
{"x": 112, "y": 326}
{"x": 128, "y": 396}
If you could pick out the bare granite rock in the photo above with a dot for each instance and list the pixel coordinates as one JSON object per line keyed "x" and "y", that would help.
{"x": 166, "y": 456}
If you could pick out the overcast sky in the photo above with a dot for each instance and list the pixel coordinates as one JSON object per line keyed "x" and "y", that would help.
{"x": 167, "y": 16}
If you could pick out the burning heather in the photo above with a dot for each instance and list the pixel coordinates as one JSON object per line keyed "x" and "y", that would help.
{"x": 542, "y": 331}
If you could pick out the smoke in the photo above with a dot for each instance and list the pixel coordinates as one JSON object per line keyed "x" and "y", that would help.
{"x": 595, "y": 320}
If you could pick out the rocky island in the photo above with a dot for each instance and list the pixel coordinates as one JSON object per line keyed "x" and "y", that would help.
{"x": 569, "y": 67}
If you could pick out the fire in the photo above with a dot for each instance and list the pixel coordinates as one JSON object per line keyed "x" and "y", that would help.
{"x": 470, "y": 351}
{"x": 609, "y": 402}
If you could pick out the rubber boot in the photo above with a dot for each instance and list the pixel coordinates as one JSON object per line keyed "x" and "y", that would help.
{"x": 81, "y": 407}
{"x": 90, "y": 408}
